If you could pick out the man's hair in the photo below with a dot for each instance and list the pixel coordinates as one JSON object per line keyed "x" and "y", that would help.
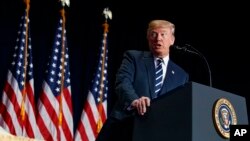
{"x": 160, "y": 24}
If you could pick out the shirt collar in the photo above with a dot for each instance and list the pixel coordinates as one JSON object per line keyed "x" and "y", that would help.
{"x": 165, "y": 59}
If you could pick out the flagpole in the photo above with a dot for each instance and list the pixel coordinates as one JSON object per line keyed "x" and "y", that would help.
{"x": 62, "y": 11}
{"x": 22, "y": 113}
{"x": 105, "y": 33}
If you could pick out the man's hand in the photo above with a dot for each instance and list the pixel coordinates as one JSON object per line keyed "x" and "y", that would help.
{"x": 141, "y": 105}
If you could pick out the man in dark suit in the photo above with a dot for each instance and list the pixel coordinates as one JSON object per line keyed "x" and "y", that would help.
{"x": 136, "y": 85}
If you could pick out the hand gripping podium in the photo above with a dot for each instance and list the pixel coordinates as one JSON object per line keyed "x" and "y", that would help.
{"x": 188, "y": 113}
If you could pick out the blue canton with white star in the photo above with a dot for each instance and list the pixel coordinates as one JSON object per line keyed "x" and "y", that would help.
{"x": 18, "y": 64}
{"x": 55, "y": 65}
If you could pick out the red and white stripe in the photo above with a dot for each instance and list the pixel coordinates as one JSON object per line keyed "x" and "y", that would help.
{"x": 48, "y": 111}
{"x": 87, "y": 127}
{"x": 10, "y": 107}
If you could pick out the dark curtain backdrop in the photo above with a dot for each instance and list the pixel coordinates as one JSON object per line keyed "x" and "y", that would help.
{"x": 218, "y": 31}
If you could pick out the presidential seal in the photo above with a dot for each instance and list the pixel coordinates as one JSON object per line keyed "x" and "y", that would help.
{"x": 224, "y": 115}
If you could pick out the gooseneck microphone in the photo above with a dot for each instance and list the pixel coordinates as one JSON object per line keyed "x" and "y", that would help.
{"x": 190, "y": 49}
{"x": 185, "y": 49}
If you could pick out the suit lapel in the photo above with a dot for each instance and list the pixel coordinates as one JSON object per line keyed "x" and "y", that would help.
{"x": 168, "y": 78}
{"x": 149, "y": 64}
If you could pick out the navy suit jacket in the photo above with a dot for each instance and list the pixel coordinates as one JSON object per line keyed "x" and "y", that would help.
{"x": 135, "y": 78}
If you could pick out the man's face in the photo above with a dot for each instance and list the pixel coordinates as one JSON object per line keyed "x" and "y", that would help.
{"x": 160, "y": 39}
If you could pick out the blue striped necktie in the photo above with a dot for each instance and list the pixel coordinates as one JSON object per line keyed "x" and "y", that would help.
{"x": 158, "y": 76}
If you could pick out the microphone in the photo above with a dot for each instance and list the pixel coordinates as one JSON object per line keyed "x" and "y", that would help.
{"x": 185, "y": 49}
{"x": 193, "y": 50}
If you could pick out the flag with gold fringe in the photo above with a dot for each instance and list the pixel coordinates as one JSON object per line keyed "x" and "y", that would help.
{"x": 17, "y": 106}
{"x": 94, "y": 112}
{"x": 55, "y": 118}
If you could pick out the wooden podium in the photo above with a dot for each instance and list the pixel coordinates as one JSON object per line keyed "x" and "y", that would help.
{"x": 188, "y": 114}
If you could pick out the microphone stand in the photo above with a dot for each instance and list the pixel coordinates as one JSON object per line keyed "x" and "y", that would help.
{"x": 204, "y": 58}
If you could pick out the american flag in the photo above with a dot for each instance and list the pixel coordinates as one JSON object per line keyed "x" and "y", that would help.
{"x": 55, "y": 118}
{"x": 17, "y": 106}
{"x": 95, "y": 108}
